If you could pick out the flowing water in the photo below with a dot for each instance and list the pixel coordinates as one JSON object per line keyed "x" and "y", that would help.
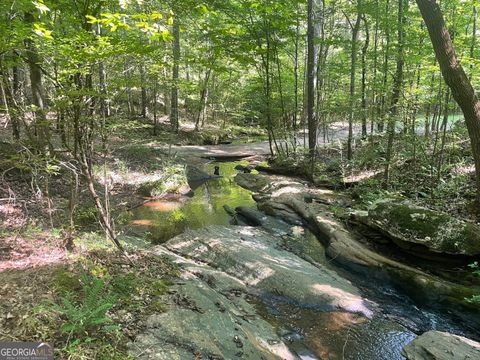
{"x": 310, "y": 333}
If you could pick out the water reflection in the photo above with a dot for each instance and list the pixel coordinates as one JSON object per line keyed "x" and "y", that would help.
{"x": 164, "y": 219}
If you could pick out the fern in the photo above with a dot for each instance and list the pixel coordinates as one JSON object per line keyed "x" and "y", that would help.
{"x": 88, "y": 311}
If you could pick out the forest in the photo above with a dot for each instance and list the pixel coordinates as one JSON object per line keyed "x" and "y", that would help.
{"x": 240, "y": 179}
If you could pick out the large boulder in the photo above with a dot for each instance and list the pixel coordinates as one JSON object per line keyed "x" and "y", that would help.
{"x": 420, "y": 230}
{"x": 257, "y": 259}
{"x": 436, "y": 345}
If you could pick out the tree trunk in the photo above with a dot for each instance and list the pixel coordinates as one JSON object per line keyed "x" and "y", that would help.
{"x": 364, "y": 79}
{"x": 474, "y": 41}
{"x": 40, "y": 121}
{"x": 353, "y": 66}
{"x": 455, "y": 77}
{"x": 397, "y": 89}
{"x": 203, "y": 99}
{"x": 312, "y": 126}
{"x": 381, "y": 120}
{"x": 176, "y": 59}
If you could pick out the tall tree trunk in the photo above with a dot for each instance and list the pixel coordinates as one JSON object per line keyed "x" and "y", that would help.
{"x": 203, "y": 98}
{"x": 455, "y": 76}
{"x": 8, "y": 98}
{"x": 375, "y": 71}
{"x": 176, "y": 59}
{"x": 364, "y": 79}
{"x": 40, "y": 122}
{"x": 143, "y": 90}
{"x": 474, "y": 41}
{"x": 353, "y": 67}
{"x": 295, "y": 72}
{"x": 310, "y": 98}
{"x": 397, "y": 89}
{"x": 383, "y": 101}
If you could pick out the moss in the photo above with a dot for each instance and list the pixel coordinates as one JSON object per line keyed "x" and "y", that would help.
{"x": 157, "y": 307}
{"x": 439, "y": 231}
{"x": 422, "y": 222}
{"x": 159, "y": 287}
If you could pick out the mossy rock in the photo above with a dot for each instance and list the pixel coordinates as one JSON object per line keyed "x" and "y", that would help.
{"x": 253, "y": 182}
{"x": 409, "y": 225}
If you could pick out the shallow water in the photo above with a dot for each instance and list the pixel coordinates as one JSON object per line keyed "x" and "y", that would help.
{"x": 165, "y": 219}
{"x": 310, "y": 333}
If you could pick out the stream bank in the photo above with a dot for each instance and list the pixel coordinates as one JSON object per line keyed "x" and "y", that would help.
{"x": 309, "y": 329}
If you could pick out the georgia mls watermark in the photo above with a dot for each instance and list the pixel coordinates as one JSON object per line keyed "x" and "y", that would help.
{"x": 25, "y": 351}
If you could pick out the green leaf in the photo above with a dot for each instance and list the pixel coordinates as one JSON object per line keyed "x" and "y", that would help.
{"x": 40, "y": 6}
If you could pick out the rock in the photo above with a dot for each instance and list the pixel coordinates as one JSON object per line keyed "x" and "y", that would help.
{"x": 253, "y": 217}
{"x": 255, "y": 258}
{"x": 343, "y": 246}
{"x": 253, "y": 183}
{"x": 209, "y": 318}
{"x": 421, "y": 231}
{"x": 438, "y": 345}
{"x": 245, "y": 169}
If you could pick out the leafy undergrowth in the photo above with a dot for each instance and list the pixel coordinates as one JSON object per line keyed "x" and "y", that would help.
{"x": 88, "y": 307}
{"x": 443, "y": 182}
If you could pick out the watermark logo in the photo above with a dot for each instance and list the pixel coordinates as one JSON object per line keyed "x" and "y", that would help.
{"x": 25, "y": 351}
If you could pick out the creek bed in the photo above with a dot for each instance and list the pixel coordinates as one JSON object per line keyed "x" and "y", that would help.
{"x": 310, "y": 333}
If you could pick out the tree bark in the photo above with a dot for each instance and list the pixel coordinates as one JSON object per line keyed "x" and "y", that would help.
{"x": 364, "y": 79}
{"x": 455, "y": 76}
{"x": 353, "y": 66}
{"x": 40, "y": 122}
{"x": 396, "y": 90}
{"x": 176, "y": 59}
{"x": 312, "y": 126}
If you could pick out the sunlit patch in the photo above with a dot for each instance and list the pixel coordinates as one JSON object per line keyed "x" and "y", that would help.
{"x": 262, "y": 272}
{"x": 144, "y": 222}
{"x": 286, "y": 190}
{"x": 343, "y": 299}
{"x": 327, "y": 221}
{"x": 298, "y": 231}
{"x": 7, "y": 209}
{"x": 361, "y": 176}
{"x": 462, "y": 170}
{"x": 247, "y": 231}
{"x": 280, "y": 349}
{"x": 323, "y": 191}
{"x": 164, "y": 206}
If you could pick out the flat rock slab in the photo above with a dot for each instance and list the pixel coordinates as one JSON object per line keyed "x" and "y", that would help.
{"x": 209, "y": 317}
{"x": 255, "y": 258}
{"x": 436, "y": 345}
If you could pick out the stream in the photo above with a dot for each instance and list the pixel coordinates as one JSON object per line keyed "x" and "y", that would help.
{"x": 311, "y": 333}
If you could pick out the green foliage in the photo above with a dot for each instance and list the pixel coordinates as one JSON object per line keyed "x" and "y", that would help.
{"x": 87, "y": 311}
{"x": 85, "y": 215}
{"x": 476, "y": 272}
{"x": 66, "y": 282}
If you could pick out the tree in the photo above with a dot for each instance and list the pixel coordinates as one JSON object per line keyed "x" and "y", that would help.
{"x": 455, "y": 76}
{"x": 353, "y": 65}
{"x": 397, "y": 88}
{"x": 311, "y": 71}
{"x": 174, "y": 118}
